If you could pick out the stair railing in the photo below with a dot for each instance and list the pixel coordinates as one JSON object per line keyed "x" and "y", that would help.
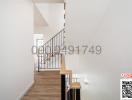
{"x": 70, "y": 83}
{"x": 49, "y": 54}
{"x": 51, "y": 58}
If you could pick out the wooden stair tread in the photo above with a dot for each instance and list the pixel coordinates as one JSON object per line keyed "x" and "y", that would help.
{"x": 40, "y": 98}
{"x": 75, "y": 85}
{"x": 47, "y": 86}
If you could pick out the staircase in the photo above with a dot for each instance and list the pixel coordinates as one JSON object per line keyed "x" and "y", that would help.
{"x": 46, "y": 87}
{"x": 49, "y": 54}
{"x": 53, "y": 81}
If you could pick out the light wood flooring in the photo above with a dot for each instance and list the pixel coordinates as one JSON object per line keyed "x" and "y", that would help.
{"x": 47, "y": 86}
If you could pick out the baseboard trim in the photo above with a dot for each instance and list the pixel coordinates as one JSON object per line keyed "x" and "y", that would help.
{"x": 25, "y": 91}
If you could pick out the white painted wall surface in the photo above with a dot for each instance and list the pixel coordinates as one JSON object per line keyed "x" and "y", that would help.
{"x": 109, "y": 24}
{"x": 48, "y": 1}
{"x": 53, "y": 13}
{"x": 16, "y": 65}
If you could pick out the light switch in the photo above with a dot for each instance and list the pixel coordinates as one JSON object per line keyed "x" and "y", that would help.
{"x": 86, "y": 80}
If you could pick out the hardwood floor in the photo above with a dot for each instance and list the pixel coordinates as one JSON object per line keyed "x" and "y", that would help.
{"x": 47, "y": 86}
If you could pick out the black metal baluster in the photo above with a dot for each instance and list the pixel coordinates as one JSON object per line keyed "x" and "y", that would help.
{"x": 52, "y": 52}
{"x": 43, "y": 56}
{"x": 38, "y": 62}
{"x": 44, "y": 60}
{"x": 55, "y": 52}
{"x": 50, "y": 55}
{"x": 47, "y": 56}
{"x": 58, "y": 60}
{"x": 47, "y": 60}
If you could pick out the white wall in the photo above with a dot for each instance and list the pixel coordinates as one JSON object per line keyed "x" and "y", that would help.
{"x": 109, "y": 24}
{"x": 39, "y": 21}
{"x": 53, "y": 13}
{"x": 49, "y": 1}
{"x": 16, "y": 66}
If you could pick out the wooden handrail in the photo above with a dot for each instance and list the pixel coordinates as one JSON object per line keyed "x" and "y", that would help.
{"x": 75, "y": 85}
{"x": 54, "y": 36}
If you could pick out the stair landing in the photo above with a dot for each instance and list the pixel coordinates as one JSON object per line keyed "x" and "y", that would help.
{"x": 47, "y": 86}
